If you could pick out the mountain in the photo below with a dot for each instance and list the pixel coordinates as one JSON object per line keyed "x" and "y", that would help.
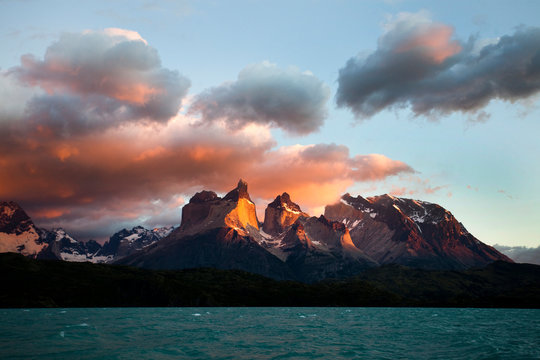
{"x": 19, "y": 234}
{"x": 126, "y": 242}
{"x": 410, "y": 232}
{"x": 224, "y": 233}
{"x": 280, "y": 214}
{"x": 313, "y": 247}
{"x": 215, "y": 232}
{"x": 17, "y": 231}
{"x": 61, "y": 246}
{"x": 352, "y": 236}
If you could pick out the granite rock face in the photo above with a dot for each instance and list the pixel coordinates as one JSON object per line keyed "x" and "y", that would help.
{"x": 280, "y": 214}
{"x": 17, "y": 231}
{"x": 410, "y": 232}
{"x": 352, "y": 236}
{"x": 215, "y": 232}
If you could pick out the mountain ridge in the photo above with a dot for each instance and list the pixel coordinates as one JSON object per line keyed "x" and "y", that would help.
{"x": 353, "y": 235}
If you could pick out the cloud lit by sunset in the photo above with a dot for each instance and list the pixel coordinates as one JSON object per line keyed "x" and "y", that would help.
{"x": 107, "y": 124}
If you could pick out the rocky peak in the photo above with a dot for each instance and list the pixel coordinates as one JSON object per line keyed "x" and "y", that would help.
{"x": 240, "y": 192}
{"x": 280, "y": 214}
{"x": 333, "y": 233}
{"x": 283, "y": 201}
{"x": 13, "y": 219}
{"x": 410, "y": 232}
{"x": 204, "y": 196}
{"x": 296, "y": 238}
{"x": 206, "y": 210}
{"x": 17, "y": 231}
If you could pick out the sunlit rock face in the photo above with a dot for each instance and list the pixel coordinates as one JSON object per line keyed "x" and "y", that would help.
{"x": 410, "y": 232}
{"x": 128, "y": 241}
{"x": 206, "y": 210}
{"x": 215, "y": 232}
{"x": 19, "y": 234}
{"x": 319, "y": 249}
{"x": 17, "y": 231}
{"x": 223, "y": 232}
{"x": 280, "y": 214}
{"x": 313, "y": 247}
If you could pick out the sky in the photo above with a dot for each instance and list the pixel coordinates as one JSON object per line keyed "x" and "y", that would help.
{"x": 114, "y": 113}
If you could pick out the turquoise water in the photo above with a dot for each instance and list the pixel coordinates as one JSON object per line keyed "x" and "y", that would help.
{"x": 269, "y": 333}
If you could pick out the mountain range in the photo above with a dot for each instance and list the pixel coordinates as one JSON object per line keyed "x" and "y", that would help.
{"x": 19, "y": 234}
{"x": 352, "y": 236}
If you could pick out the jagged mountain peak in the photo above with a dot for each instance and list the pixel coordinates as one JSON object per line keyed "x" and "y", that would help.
{"x": 206, "y": 210}
{"x": 13, "y": 219}
{"x": 126, "y": 242}
{"x": 410, "y": 232}
{"x": 17, "y": 231}
{"x": 59, "y": 234}
{"x": 204, "y": 196}
{"x": 240, "y": 192}
{"x": 284, "y": 201}
{"x": 7, "y": 208}
{"x": 280, "y": 214}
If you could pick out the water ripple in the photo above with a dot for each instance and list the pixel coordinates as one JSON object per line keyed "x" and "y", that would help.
{"x": 270, "y": 333}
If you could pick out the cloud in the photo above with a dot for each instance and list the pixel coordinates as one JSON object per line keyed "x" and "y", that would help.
{"x": 115, "y": 179}
{"x": 86, "y": 149}
{"x": 316, "y": 175}
{"x": 521, "y": 254}
{"x": 289, "y": 99}
{"x": 418, "y": 64}
{"x": 95, "y": 80}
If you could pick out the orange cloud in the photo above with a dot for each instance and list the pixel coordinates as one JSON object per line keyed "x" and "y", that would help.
{"x": 142, "y": 173}
{"x": 134, "y": 93}
{"x": 433, "y": 41}
{"x": 49, "y": 213}
{"x": 151, "y": 153}
{"x": 65, "y": 151}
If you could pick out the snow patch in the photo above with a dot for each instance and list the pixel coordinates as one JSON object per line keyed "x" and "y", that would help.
{"x": 344, "y": 202}
{"x": 133, "y": 237}
{"x": 24, "y": 243}
{"x": 291, "y": 210}
{"x": 355, "y": 223}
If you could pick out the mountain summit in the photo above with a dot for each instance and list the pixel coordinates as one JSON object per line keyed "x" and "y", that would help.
{"x": 410, "y": 232}
{"x": 215, "y": 232}
{"x": 353, "y": 235}
{"x": 206, "y": 210}
{"x": 280, "y": 214}
{"x": 17, "y": 231}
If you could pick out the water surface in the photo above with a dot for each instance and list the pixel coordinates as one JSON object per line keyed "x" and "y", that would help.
{"x": 269, "y": 333}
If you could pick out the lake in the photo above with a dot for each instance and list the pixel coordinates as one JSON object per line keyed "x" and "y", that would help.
{"x": 269, "y": 333}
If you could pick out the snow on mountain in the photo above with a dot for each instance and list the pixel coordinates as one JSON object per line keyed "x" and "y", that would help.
{"x": 17, "y": 231}
{"x": 126, "y": 242}
{"x": 354, "y": 234}
{"x": 410, "y": 232}
{"x": 214, "y": 232}
{"x": 280, "y": 214}
{"x": 19, "y": 234}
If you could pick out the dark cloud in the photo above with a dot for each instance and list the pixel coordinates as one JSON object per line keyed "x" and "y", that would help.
{"x": 417, "y": 64}
{"x": 97, "y": 80}
{"x": 521, "y": 254}
{"x": 289, "y": 99}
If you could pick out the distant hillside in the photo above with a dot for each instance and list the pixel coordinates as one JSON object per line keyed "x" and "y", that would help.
{"x": 49, "y": 283}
